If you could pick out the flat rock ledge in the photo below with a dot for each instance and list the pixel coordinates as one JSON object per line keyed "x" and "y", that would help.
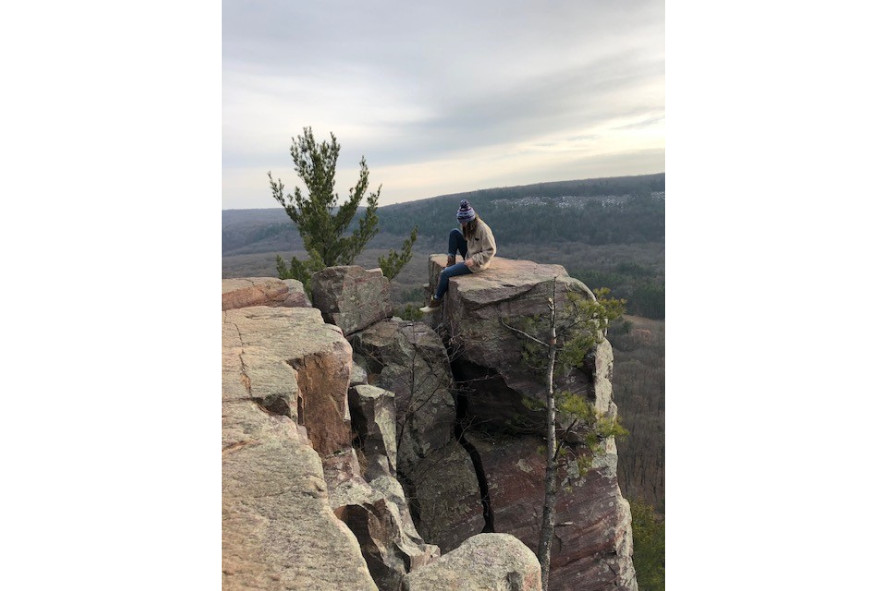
{"x": 263, "y": 291}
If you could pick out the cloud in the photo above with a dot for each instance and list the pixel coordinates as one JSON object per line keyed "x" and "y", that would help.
{"x": 473, "y": 87}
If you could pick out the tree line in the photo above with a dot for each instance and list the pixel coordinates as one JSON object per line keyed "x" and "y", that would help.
{"x": 636, "y": 217}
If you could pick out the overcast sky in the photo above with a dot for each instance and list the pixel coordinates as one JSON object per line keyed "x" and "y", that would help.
{"x": 442, "y": 98}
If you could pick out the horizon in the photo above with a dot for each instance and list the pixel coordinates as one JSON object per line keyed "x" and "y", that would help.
{"x": 277, "y": 206}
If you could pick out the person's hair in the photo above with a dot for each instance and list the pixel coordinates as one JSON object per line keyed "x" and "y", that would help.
{"x": 471, "y": 228}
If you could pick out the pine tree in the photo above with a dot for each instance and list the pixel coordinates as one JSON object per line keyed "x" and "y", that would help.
{"x": 321, "y": 222}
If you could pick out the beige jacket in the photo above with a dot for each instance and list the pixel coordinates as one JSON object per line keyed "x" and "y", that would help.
{"x": 481, "y": 248}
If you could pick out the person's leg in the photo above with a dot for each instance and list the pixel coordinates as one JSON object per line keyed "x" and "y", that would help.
{"x": 457, "y": 243}
{"x": 453, "y": 271}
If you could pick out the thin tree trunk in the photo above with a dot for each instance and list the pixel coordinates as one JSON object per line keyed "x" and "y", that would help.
{"x": 547, "y": 518}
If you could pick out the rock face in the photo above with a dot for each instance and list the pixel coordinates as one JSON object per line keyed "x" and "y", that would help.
{"x": 282, "y": 344}
{"x": 294, "y": 518}
{"x": 378, "y": 514}
{"x": 476, "y": 309}
{"x": 447, "y": 503}
{"x": 409, "y": 359}
{"x": 263, "y": 291}
{"x": 376, "y": 508}
{"x": 355, "y": 450}
{"x": 592, "y": 539}
{"x": 374, "y": 419}
{"x": 592, "y": 544}
{"x": 278, "y": 530}
{"x": 492, "y": 562}
{"x": 351, "y": 297}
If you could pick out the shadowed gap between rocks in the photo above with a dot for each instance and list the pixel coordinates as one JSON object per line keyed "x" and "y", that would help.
{"x": 411, "y": 496}
{"x": 277, "y": 405}
{"x": 461, "y": 421}
{"x": 488, "y": 516}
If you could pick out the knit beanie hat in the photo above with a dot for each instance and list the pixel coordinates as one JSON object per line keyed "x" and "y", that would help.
{"x": 465, "y": 212}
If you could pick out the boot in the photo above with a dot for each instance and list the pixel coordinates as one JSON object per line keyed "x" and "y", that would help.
{"x": 432, "y": 305}
{"x": 450, "y": 260}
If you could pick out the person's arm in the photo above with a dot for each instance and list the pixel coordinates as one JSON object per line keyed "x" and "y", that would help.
{"x": 487, "y": 248}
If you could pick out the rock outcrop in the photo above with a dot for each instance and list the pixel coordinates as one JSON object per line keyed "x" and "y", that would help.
{"x": 355, "y": 450}
{"x": 351, "y": 297}
{"x": 299, "y": 511}
{"x": 477, "y": 308}
{"x": 278, "y": 530}
{"x": 592, "y": 543}
{"x": 370, "y": 499}
{"x": 374, "y": 420}
{"x": 282, "y": 344}
{"x": 409, "y": 359}
{"x": 447, "y": 500}
{"x": 492, "y": 562}
{"x": 377, "y": 512}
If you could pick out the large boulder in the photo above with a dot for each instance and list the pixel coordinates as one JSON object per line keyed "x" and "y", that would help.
{"x": 278, "y": 529}
{"x": 480, "y": 314}
{"x": 491, "y": 562}
{"x": 279, "y": 344}
{"x": 351, "y": 297}
{"x": 409, "y": 359}
{"x": 374, "y": 422}
{"x": 263, "y": 291}
{"x": 378, "y": 514}
{"x": 447, "y": 504}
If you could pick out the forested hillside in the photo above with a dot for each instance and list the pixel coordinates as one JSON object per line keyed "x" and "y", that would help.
{"x": 595, "y": 211}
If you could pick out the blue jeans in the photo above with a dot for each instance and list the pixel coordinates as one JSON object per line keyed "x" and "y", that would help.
{"x": 457, "y": 243}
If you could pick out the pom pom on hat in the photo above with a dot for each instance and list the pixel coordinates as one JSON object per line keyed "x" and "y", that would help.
{"x": 465, "y": 212}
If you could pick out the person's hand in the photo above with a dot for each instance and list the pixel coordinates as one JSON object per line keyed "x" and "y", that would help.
{"x": 469, "y": 262}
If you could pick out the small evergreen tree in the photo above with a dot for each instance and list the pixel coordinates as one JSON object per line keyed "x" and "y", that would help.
{"x": 321, "y": 222}
{"x": 392, "y": 264}
{"x": 559, "y": 346}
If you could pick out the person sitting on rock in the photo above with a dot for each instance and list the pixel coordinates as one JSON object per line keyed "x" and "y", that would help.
{"x": 476, "y": 244}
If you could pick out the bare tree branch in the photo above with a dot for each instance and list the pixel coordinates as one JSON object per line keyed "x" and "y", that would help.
{"x": 520, "y": 332}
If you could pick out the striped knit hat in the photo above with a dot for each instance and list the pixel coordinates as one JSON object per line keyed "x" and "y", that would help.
{"x": 465, "y": 212}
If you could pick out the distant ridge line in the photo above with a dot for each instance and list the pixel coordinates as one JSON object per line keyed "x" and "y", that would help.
{"x": 587, "y": 183}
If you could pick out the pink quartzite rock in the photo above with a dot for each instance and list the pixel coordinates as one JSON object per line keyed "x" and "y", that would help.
{"x": 491, "y": 562}
{"x": 409, "y": 359}
{"x": 263, "y": 291}
{"x": 278, "y": 529}
{"x": 475, "y": 311}
{"x": 374, "y": 422}
{"x": 592, "y": 545}
{"x": 378, "y": 514}
{"x": 351, "y": 297}
{"x": 298, "y": 366}
{"x": 592, "y": 539}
